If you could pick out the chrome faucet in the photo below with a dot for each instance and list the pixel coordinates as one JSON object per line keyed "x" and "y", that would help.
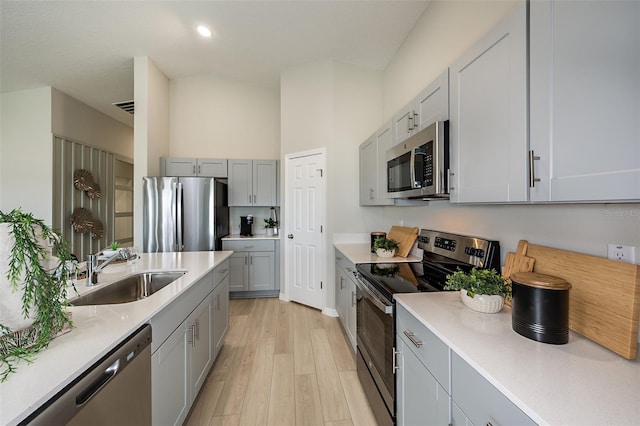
{"x": 93, "y": 268}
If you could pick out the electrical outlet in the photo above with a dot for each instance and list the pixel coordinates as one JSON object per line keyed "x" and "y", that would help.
{"x": 622, "y": 253}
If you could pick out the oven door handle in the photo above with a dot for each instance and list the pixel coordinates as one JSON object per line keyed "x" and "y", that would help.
{"x": 377, "y": 300}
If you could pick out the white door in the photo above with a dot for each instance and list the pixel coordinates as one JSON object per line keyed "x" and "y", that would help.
{"x": 305, "y": 186}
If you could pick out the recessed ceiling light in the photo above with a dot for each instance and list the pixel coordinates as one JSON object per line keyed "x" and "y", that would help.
{"x": 204, "y": 31}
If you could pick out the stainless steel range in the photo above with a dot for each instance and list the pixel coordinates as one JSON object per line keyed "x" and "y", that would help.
{"x": 443, "y": 254}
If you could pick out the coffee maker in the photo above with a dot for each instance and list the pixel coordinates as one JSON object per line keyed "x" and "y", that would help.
{"x": 246, "y": 225}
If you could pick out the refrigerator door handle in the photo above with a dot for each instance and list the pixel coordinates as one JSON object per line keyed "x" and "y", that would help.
{"x": 179, "y": 242}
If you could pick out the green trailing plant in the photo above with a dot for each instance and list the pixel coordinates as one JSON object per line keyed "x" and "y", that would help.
{"x": 387, "y": 244}
{"x": 44, "y": 291}
{"x": 270, "y": 223}
{"x": 479, "y": 281}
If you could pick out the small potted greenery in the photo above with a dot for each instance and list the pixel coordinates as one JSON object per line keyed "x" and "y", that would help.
{"x": 385, "y": 247}
{"x": 270, "y": 225}
{"x": 111, "y": 249}
{"x": 481, "y": 290}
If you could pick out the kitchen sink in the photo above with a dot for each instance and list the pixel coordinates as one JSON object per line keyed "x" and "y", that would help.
{"x": 129, "y": 289}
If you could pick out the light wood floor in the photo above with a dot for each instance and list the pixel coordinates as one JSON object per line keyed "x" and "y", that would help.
{"x": 282, "y": 364}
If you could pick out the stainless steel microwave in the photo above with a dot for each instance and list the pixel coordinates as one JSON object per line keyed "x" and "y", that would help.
{"x": 418, "y": 168}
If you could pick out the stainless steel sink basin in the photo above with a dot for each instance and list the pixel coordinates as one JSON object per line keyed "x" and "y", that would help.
{"x": 129, "y": 289}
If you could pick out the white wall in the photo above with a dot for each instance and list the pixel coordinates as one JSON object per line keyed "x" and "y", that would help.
{"x": 442, "y": 33}
{"x": 331, "y": 105}
{"x": 217, "y": 117}
{"x": 76, "y": 121}
{"x": 26, "y": 149}
{"x": 151, "y": 130}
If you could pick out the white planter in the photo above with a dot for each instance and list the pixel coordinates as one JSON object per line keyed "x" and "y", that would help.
{"x": 385, "y": 253}
{"x": 487, "y": 304}
{"x": 269, "y": 232}
{"x": 108, "y": 252}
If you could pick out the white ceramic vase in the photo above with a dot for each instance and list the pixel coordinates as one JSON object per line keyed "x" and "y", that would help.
{"x": 269, "y": 232}
{"x": 385, "y": 253}
{"x": 487, "y": 304}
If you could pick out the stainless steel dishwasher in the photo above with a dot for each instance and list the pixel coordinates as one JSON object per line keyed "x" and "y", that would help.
{"x": 115, "y": 391}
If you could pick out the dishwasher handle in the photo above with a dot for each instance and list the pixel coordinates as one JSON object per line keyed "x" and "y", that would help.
{"x": 95, "y": 387}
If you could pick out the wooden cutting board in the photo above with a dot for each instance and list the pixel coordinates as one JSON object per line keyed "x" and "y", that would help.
{"x": 518, "y": 261}
{"x": 604, "y": 300}
{"x": 405, "y": 237}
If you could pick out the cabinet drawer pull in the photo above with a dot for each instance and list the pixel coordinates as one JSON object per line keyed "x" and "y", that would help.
{"x": 412, "y": 337}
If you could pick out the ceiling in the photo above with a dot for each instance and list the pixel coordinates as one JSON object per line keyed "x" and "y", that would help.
{"x": 86, "y": 48}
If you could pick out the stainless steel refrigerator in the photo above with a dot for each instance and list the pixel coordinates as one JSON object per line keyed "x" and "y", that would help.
{"x": 184, "y": 214}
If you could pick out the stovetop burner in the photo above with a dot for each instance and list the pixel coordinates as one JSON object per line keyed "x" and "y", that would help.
{"x": 444, "y": 253}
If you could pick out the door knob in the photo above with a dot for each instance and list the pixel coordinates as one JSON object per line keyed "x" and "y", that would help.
{"x": 290, "y": 236}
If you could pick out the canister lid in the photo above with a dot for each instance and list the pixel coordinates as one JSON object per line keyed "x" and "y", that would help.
{"x": 378, "y": 234}
{"x": 534, "y": 279}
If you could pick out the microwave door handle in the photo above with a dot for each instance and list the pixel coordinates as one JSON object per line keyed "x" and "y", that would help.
{"x": 412, "y": 168}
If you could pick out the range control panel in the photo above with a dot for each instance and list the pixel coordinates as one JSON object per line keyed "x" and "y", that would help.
{"x": 470, "y": 250}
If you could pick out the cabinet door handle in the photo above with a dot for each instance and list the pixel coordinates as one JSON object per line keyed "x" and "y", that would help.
{"x": 251, "y": 260}
{"x": 194, "y": 169}
{"x": 218, "y": 302}
{"x": 197, "y": 330}
{"x": 409, "y": 125}
{"x": 396, "y": 367}
{"x": 532, "y": 174}
{"x": 413, "y": 339}
{"x": 371, "y": 193}
{"x": 255, "y": 198}
{"x": 191, "y": 341}
{"x": 449, "y": 180}
{"x": 199, "y": 169}
{"x": 341, "y": 283}
{"x": 246, "y": 261}
{"x": 415, "y": 120}
{"x": 353, "y": 299}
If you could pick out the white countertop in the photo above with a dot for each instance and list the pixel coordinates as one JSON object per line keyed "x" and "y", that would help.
{"x": 252, "y": 237}
{"x": 98, "y": 329}
{"x": 361, "y": 253}
{"x": 579, "y": 383}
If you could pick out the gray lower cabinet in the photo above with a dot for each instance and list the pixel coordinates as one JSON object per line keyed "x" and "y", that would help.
{"x": 420, "y": 398}
{"x": 187, "y": 336}
{"x": 252, "y": 265}
{"x": 346, "y": 296}
{"x": 435, "y": 386}
{"x": 422, "y": 378}
{"x": 478, "y": 401}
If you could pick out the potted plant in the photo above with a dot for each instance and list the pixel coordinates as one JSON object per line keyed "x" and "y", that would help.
{"x": 111, "y": 249}
{"x": 482, "y": 290}
{"x": 270, "y": 224}
{"x": 385, "y": 247}
{"x": 33, "y": 288}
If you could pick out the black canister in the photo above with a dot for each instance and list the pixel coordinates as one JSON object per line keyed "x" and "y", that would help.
{"x": 375, "y": 236}
{"x": 540, "y": 307}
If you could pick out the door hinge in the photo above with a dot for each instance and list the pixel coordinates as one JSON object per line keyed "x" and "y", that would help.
{"x": 320, "y": 285}
{"x": 319, "y": 170}
{"x": 321, "y": 229}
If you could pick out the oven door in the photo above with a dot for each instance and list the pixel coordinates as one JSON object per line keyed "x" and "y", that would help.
{"x": 375, "y": 340}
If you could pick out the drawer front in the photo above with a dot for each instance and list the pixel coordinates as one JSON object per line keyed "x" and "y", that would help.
{"x": 429, "y": 349}
{"x": 479, "y": 400}
{"x": 220, "y": 271}
{"x": 344, "y": 262}
{"x": 249, "y": 245}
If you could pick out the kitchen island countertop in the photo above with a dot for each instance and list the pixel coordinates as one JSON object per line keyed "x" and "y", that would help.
{"x": 579, "y": 383}
{"x": 98, "y": 329}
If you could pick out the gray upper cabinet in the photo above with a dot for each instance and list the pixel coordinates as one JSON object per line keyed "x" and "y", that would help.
{"x": 433, "y": 102}
{"x": 431, "y": 105}
{"x": 585, "y": 107}
{"x": 253, "y": 182}
{"x": 488, "y": 129}
{"x": 373, "y": 170}
{"x": 206, "y": 167}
